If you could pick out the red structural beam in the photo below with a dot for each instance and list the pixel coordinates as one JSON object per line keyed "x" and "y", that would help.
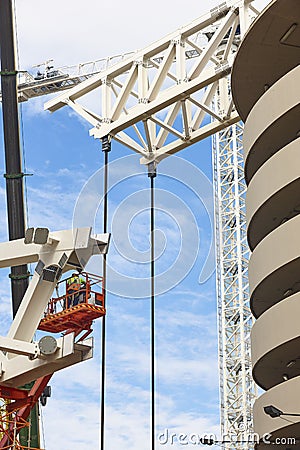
{"x": 30, "y": 399}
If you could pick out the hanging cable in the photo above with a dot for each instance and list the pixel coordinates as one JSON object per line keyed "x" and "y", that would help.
{"x": 152, "y": 175}
{"x": 43, "y": 429}
{"x": 106, "y": 148}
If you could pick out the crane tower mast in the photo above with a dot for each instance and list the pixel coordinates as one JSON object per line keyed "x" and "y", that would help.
{"x": 237, "y": 387}
{"x": 172, "y": 94}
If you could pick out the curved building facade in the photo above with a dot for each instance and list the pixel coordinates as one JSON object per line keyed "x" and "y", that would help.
{"x": 266, "y": 90}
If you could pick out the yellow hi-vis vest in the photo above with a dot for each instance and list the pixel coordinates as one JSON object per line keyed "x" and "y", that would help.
{"x": 74, "y": 283}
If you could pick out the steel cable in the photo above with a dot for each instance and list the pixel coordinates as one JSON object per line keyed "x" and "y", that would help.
{"x": 106, "y": 147}
{"x": 152, "y": 175}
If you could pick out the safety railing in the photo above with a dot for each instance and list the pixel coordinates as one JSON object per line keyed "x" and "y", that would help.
{"x": 89, "y": 292}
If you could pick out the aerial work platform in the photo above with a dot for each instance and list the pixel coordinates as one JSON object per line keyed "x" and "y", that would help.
{"x": 81, "y": 303}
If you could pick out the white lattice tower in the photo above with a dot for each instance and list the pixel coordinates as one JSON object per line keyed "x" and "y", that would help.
{"x": 237, "y": 388}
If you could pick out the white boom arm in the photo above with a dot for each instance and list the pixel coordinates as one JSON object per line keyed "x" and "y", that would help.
{"x": 56, "y": 253}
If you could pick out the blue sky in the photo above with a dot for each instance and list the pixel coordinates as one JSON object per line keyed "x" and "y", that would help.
{"x": 66, "y": 166}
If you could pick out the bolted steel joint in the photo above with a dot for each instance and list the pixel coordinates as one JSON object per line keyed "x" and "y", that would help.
{"x": 152, "y": 169}
{"x": 106, "y": 144}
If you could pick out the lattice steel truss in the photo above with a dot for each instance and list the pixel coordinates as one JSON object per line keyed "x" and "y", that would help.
{"x": 10, "y": 425}
{"x": 158, "y": 100}
{"x": 237, "y": 388}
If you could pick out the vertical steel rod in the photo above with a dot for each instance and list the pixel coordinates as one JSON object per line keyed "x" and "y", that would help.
{"x": 152, "y": 175}
{"x": 106, "y": 147}
{"x": 152, "y": 318}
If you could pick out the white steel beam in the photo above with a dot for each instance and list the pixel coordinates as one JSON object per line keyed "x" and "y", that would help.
{"x": 19, "y": 347}
{"x": 123, "y": 138}
{"x": 73, "y": 246}
{"x": 14, "y": 253}
{"x": 90, "y": 117}
{"x": 21, "y": 360}
{"x": 124, "y": 93}
{"x": 214, "y": 43}
{"x": 165, "y": 99}
{"x": 196, "y": 136}
{"x": 168, "y": 122}
{"x": 163, "y": 70}
{"x": 38, "y": 295}
{"x": 21, "y": 370}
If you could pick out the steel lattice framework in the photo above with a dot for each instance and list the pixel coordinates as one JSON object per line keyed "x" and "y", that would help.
{"x": 158, "y": 101}
{"x": 237, "y": 388}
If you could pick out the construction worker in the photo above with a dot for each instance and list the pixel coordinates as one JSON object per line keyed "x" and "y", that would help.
{"x": 74, "y": 284}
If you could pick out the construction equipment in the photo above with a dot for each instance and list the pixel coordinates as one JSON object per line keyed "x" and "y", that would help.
{"x": 21, "y": 358}
{"x": 172, "y": 94}
{"x": 73, "y": 312}
{"x": 160, "y": 100}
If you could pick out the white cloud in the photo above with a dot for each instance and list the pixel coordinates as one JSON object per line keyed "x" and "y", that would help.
{"x": 127, "y": 412}
{"x": 127, "y": 422}
{"x": 71, "y": 424}
{"x": 73, "y": 34}
{"x": 181, "y": 367}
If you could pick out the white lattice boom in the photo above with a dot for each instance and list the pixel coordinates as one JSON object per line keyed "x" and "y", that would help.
{"x": 161, "y": 97}
{"x": 237, "y": 388}
{"x": 158, "y": 101}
